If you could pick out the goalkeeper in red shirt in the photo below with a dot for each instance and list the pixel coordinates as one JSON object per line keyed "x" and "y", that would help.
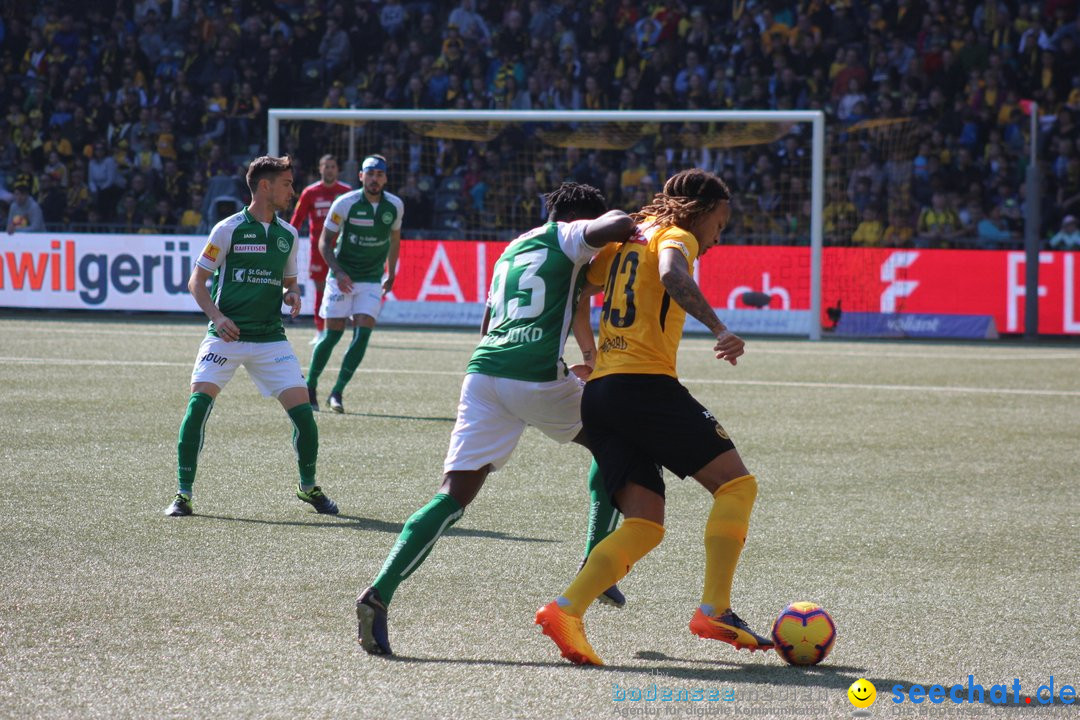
{"x": 314, "y": 204}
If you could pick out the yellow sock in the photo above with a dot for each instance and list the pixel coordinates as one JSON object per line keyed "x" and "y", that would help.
{"x": 609, "y": 562}
{"x": 725, "y": 535}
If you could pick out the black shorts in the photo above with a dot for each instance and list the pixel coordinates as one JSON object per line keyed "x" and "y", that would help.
{"x": 637, "y": 424}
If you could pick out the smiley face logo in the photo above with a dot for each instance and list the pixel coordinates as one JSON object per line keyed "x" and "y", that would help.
{"x": 862, "y": 693}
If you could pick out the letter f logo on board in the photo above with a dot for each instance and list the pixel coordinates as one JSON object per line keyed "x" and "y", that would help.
{"x": 897, "y": 288}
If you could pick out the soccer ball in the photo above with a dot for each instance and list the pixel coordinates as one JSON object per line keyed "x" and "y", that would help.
{"x": 804, "y": 633}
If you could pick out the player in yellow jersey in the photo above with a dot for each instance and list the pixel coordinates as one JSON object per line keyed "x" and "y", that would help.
{"x": 639, "y": 417}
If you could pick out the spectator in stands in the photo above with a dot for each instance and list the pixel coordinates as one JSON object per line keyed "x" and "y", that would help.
{"x": 992, "y": 232}
{"x": 863, "y": 197}
{"x": 57, "y": 169}
{"x": 24, "y": 214}
{"x": 469, "y": 23}
{"x": 335, "y": 51}
{"x": 144, "y": 158}
{"x": 192, "y": 218}
{"x": 692, "y": 67}
{"x": 1068, "y": 191}
{"x": 528, "y": 205}
{"x": 634, "y": 172}
{"x": 53, "y": 201}
{"x": 847, "y": 110}
{"x": 959, "y": 70}
{"x": 839, "y": 217}
{"x": 104, "y": 181}
{"x": 77, "y": 198}
{"x": 219, "y": 70}
{"x": 1068, "y": 237}
{"x": 938, "y": 223}
{"x": 143, "y": 194}
{"x": 128, "y": 217}
{"x": 161, "y": 219}
{"x": 243, "y": 112}
{"x": 214, "y": 130}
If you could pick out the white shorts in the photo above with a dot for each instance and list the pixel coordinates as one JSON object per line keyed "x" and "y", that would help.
{"x": 273, "y": 366}
{"x": 493, "y": 412}
{"x": 365, "y": 299}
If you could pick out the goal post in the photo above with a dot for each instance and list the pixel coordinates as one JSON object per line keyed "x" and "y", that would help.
{"x": 605, "y": 129}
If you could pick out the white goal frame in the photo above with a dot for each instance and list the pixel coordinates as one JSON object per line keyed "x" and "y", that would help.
{"x": 815, "y": 117}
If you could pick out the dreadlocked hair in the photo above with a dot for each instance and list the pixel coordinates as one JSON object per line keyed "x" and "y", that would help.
{"x": 575, "y": 200}
{"x": 686, "y": 196}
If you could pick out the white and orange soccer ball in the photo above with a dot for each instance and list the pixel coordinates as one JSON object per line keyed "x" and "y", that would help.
{"x": 804, "y": 633}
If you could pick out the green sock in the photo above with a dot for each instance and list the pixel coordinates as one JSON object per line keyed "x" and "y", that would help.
{"x": 190, "y": 441}
{"x": 352, "y": 358}
{"x": 415, "y": 542}
{"x": 321, "y": 355}
{"x": 305, "y": 441}
{"x": 603, "y": 517}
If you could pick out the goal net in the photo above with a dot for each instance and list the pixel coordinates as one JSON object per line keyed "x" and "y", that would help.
{"x": 473, "y": 180}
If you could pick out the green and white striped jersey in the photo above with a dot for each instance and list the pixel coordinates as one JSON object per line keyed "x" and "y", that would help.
{"x": 365, "y": 232}
{"x": 250, "y": 259}
{"x": 535, "y": 287}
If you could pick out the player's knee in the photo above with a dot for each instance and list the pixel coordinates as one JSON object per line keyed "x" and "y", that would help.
{"x": 463, "y": 485}
{"x": 744, "y": 486}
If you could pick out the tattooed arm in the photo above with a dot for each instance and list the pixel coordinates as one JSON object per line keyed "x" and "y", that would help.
{"x": 582, "y": 325}
{"x": 679, "y": 283}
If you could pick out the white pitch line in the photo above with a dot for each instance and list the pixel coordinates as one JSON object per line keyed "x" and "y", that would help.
{"x": 195, "y": 332}
{"x": 902, "y": 388}
{"x": 163, "y": 363}
{"x": 976, "y": 354}
{"x": 702, "y": 381}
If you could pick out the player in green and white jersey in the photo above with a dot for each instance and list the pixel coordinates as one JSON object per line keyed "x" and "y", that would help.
{"x": 516, "y": 377}
{"x": 368, "y": 221}
{"x": 251, "y": 257}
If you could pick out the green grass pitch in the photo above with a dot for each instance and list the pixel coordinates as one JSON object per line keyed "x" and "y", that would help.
{"x": 925, "y": 494}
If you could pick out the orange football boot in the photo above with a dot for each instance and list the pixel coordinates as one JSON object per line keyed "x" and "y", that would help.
{"x": 568, "y": 632}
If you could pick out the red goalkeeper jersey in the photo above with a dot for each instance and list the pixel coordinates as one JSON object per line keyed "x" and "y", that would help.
{"x": 314, "y": 204}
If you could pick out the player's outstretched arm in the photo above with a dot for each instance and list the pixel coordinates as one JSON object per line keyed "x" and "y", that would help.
{"x": 226, "y": 329}
{"x": 679, "y": 283}
{"x": 612, "y": 226}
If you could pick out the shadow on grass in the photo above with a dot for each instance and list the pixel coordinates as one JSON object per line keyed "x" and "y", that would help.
{"x": 472, "y": 661}
{"x": 422, "y": 348}
{"x": 355, "y": 522}
{"x": 838, "y": 677}
{"x": 835, "y": 678}
{"x": 829, "y": 677}
{"x": 398, "y": 417}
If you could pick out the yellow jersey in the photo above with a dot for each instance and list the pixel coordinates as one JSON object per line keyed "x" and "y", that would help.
{"x": 640, "y": 326}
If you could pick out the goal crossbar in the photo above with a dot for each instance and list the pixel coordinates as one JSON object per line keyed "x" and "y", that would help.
{"x": 815, "y": 118}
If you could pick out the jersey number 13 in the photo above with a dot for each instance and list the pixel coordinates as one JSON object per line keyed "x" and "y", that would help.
{"x": 517, "y": 290}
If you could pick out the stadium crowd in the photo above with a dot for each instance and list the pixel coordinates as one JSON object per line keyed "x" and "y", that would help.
{"x": 134, "y": 116}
